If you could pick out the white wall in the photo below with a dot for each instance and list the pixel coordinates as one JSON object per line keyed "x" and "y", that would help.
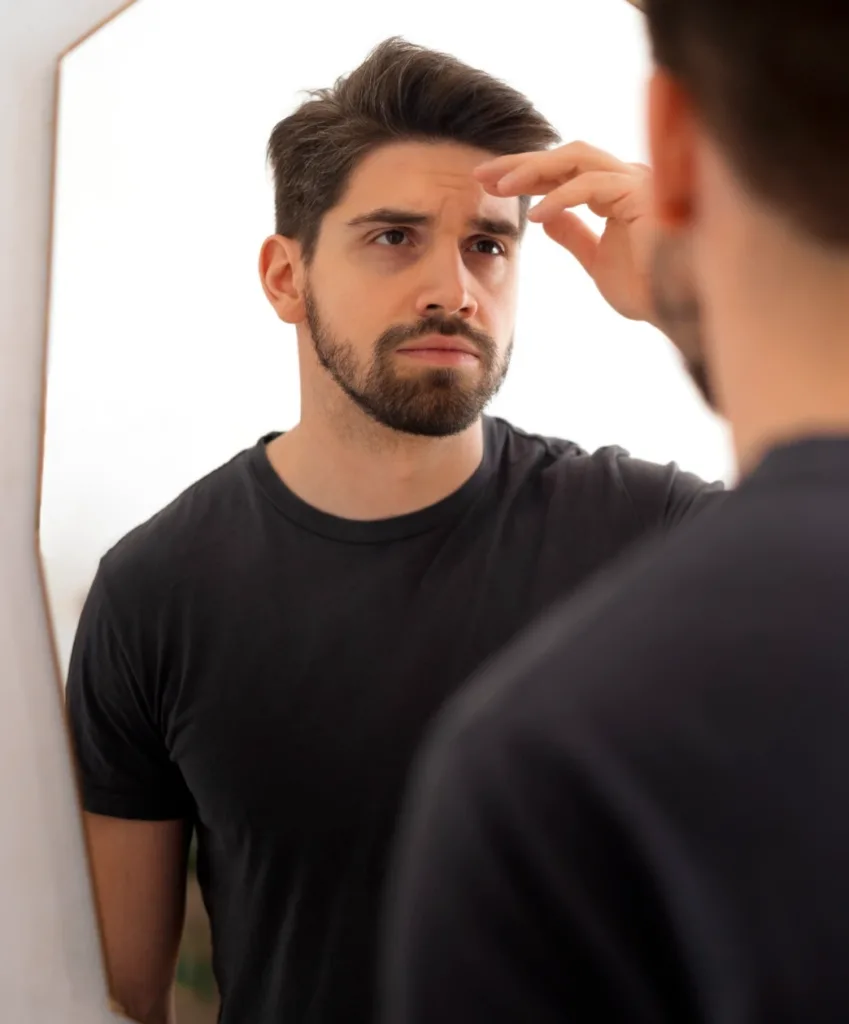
{"x": 165, "y": 358}
{"x": 49, "y": 958}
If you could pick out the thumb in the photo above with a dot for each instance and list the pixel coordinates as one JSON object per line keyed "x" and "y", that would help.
{"x": 568, "y": 230}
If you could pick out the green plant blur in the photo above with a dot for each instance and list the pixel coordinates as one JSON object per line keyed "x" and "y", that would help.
{"x": 194, "y": 965}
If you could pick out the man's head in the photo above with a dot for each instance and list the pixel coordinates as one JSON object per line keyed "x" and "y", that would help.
{"x": 387, "y": 251}
{"x": 751, "y": 162}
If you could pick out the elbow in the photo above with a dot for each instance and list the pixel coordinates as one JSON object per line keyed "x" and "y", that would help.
{"x": 143, "y": 1009}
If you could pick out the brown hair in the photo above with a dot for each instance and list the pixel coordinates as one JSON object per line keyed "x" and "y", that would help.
{"x": 400, "y": 92}
{"x": 771, "y": 79}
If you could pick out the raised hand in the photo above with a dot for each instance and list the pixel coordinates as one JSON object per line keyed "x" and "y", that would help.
{"x": 580, "y": 175}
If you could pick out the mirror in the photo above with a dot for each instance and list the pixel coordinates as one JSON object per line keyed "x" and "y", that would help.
{"x": 164, "y": 357}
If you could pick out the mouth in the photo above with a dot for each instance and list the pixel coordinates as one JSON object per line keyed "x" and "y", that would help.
{"x": 441, "y": 350}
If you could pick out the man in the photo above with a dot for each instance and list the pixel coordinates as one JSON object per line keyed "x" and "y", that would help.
{"x": 259, "y": 661}
{"x": 641, "y": 812}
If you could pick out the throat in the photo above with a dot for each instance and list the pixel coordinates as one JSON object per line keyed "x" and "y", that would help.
{"x": 346, "y": 478}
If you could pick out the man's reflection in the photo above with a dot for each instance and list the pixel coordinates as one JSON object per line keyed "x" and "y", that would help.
{"x": 259, "y": 660}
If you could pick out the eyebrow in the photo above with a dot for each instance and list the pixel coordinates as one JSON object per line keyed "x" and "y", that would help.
{"x": 408, "y": 218}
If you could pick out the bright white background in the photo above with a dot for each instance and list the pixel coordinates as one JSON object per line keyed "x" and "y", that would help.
{"x": 164, "y": 358}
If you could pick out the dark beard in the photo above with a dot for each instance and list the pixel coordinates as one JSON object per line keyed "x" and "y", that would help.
{"x": 437, "y": 402}
{"x": 678, "y": 311}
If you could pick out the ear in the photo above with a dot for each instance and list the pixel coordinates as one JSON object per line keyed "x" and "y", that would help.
{"x": 672, "y": 143}
{"x": 281, "y": 271}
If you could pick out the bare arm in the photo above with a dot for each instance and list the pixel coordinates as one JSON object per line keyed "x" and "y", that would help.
{"x": 139, "y": 874}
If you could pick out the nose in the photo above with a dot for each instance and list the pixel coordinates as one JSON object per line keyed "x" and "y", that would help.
{"x": 447, "y": 287}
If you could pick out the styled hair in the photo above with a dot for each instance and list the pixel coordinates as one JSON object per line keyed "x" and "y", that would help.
{"x": 401, "y": 92}
{"x": 771, "y": 80}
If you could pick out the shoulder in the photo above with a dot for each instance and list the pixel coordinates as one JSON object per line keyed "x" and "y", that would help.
{"x": 655, "y": 715}
{"x": 160, "y": 553}
{"x": 656, "y": 494}
{"x": 686, "y": 624}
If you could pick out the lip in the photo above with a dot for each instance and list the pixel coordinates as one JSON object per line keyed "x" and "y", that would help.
{"x": 441, "y": 343}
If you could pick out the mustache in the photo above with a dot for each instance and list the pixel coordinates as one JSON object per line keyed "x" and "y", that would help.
{"x": 449, "y": 327}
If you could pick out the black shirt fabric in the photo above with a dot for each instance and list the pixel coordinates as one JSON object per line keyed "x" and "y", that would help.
{"x": 266, "y": 671}
{"x": 640, "y": 812}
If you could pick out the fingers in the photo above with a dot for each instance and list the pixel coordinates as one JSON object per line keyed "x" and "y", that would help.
{"x": 539, "y": 172}
{"x": 568, "y": 230}
{"x": 607, "y": 194}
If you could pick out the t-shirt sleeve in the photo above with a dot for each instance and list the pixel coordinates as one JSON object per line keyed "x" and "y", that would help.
{"x": 515, "y": 895}
{"x": 124, "y": 767}
{"x": 666, "y": 495}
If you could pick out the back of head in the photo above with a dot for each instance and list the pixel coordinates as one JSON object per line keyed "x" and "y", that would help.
{"x": 401, "y": 92}
{"x": 771, "y": 83}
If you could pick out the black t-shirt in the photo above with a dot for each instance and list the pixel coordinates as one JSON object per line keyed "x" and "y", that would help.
{"x": 640, "y": 813}
{"x": 266, "y": 671}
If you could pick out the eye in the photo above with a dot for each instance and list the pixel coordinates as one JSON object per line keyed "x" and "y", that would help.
{"x": 499, "y": 248}
{"x": 394, "y": 237}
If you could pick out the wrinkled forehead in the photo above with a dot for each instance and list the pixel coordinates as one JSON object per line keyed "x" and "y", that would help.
{"x": 431, "y": 178}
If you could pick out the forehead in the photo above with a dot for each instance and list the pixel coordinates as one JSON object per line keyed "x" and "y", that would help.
{"x": 426, "y": 176}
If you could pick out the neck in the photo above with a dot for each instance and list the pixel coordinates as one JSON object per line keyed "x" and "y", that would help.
{"x": 811, "y": 405}
{"x": 781, "y": 340}
{"x": 347, "y": 465}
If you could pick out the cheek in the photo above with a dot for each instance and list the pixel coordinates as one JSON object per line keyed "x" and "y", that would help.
{"x": 499, "y": 309}
{"x": 338, "y": 297}
{"x": 362, "y": 289}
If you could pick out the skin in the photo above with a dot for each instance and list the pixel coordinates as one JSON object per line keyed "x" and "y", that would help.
{"x": 139, "y": 876}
